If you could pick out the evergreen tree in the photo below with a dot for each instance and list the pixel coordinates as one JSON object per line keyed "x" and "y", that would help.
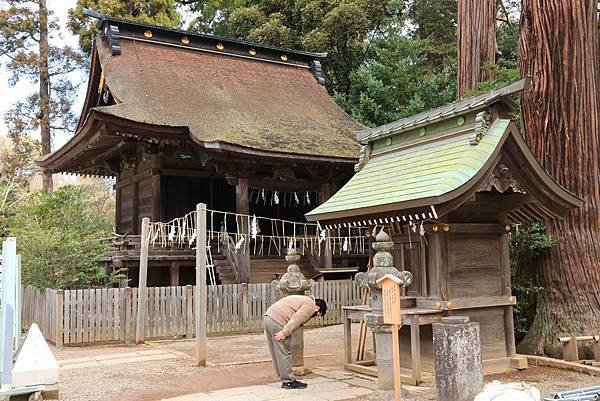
{"x": 559, "y": 47}
{"x": 25, "y": 32}
{"x": 157, "y": 12}
{"x": 342, "y": 28}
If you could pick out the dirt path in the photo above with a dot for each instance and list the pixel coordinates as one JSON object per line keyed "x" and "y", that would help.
{"x": 162, "y": 370}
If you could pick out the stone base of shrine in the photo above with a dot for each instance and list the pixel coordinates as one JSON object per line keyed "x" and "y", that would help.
{"x": 490, "y": 366}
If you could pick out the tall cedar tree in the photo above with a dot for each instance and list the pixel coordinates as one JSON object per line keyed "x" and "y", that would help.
{"x": 157, "y": 12}
{"x": 342, "y": 28}
{"x": 25, "y": 33}
{"x": 559, "y": 48}
{"x": 476, "y": 46}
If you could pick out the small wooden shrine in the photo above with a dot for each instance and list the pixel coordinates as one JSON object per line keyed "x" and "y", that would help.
{"x": 448, "y": 186}
{"x": 180, "y": 118}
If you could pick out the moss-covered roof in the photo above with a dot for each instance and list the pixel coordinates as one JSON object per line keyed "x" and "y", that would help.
{"x": 219, "y": 98}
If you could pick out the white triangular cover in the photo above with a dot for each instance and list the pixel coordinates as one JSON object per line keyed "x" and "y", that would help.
{"x": 35, "y": 363}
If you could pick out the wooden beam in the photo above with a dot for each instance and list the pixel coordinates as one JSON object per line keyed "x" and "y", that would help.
{"x": 466, "y": 303}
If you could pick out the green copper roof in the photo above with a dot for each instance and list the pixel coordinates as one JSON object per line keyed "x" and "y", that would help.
{"x": 441, "y": 113}
{"x": 424, "y": 170}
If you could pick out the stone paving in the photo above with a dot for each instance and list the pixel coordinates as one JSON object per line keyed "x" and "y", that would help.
{"x": 116, "y": 359}
{"x": 330, "y": 386}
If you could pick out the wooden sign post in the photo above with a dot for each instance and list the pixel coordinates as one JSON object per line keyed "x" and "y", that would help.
{"x": 391, "y": 288}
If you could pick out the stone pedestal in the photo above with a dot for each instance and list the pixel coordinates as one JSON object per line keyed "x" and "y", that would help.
{"x": 457, "y": 354}
{"x": 382, "y": 265}
{"x": 295, "y": 283}
{"x": 384, "y": 355}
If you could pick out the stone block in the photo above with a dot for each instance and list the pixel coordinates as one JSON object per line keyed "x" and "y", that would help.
{"x": 457, "y": 354}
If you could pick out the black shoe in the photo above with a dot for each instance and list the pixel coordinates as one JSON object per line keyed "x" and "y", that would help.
{"x": 294, "y": 385}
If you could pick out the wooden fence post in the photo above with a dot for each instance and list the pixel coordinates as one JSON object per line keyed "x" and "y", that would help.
{"x": 142, "y": 290}
{"x": 128, "y": 304}
{"x": 200, "y": 298}
{"x": 245, "y": 310}
{"x": 60, "y": 303}
{"x": 189, "y": 311}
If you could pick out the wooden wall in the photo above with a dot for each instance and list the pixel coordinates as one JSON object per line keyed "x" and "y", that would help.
{"x": 474, "y": 265}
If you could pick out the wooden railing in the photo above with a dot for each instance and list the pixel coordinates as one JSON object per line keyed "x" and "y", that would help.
{"x": 109, "y": 314}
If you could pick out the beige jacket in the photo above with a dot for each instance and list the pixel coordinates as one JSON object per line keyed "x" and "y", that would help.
{"x": 291, "y": 312}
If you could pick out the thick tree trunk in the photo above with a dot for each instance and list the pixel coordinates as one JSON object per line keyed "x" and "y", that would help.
{"x": 476, "y": 43}
{"x": 44, "y": 89}
{"x": 559, "y": 49}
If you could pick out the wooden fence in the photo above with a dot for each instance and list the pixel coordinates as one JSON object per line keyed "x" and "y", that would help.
{"x": 109, "y": 314}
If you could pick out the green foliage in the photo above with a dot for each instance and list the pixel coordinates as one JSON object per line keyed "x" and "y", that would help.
{"x": 58, "y": 238}
{"x": 21, "y": 51}
{"x": 398, "y": 80}
{"x": 157, "y": 12}
{"x": 17, "y": 167}
{"x": 342, "y": 28}
{"x": 527, "y": 243}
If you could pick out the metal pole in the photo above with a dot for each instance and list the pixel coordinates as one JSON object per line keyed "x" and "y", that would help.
{"x": 201, "y": 291}
{"x": 142, "y": 290}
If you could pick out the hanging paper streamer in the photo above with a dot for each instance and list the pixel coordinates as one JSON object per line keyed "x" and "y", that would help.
{"x": 238, "y": 244}
{"x": 322, "y": 236}
{"x": 172, "y": 233}
{"x": 263, "y": 196}
{"x": 254, "y": 227}
{"x": 192, "y": 238}
{"x": 291, "y": 246}
{"x": 345, "y": 246}
{"x": 422, "y": 229}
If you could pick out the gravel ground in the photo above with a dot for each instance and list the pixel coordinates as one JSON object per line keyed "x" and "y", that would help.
{"x": 156, "y": 380}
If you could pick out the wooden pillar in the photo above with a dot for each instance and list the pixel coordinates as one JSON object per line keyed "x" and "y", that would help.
{"x": 200, "y": 294}
{"x": 437, "y": 267}
{"x": 509, "y": 325}
{"x": 135, "y": 210}
{"x": 327, "y": 257}
{"x": 242, "y": 206}
{"x": 118, "y": 210}
{"x": 156, "y": 198}
{"x": 174, "y": 273}
{"x": 142, "y": 290}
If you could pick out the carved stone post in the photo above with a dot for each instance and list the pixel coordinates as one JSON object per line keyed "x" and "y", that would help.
{"x": 294, "y": 283}
{"x": 382, "y": 265}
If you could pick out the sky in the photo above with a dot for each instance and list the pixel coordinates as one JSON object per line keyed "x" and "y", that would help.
{"x": 9, "y": 95}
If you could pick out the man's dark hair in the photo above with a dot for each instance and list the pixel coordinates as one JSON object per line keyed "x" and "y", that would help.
{"x": 322, "y": 306}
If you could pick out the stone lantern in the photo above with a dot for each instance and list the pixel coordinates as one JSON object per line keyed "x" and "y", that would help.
{"x": 294, "y": 283}
{"x": 382, "y": 264}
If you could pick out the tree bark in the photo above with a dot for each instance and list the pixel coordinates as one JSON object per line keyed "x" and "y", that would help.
{"x": 559, "y": 48}
{"x": 476, "y": 43}
{"x": 44, "y": 89}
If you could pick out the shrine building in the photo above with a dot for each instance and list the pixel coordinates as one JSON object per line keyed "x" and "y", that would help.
{"x": 179, "y": 118}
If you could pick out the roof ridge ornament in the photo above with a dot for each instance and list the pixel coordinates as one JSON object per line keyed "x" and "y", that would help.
{"x": 114, "y": 39}
{"x": 503, "y": 180}
{"x": 483, "y": 122}
{"x": 317, "y": 70}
